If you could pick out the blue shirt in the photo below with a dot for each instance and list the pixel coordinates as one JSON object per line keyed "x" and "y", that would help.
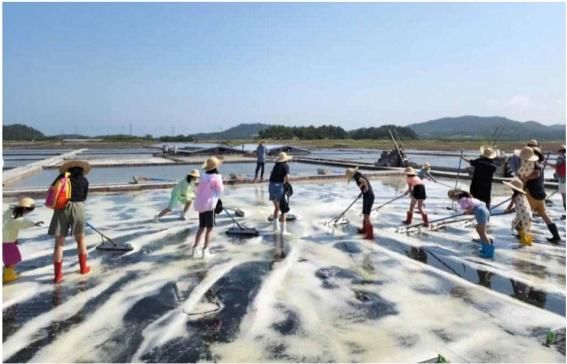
{"x": 261, "y": 153}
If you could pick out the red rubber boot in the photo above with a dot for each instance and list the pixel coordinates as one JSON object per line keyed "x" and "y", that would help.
{"x": 362, "y": 230}
{"x": 58, "y": 269}
{"x": 409, "y": 216}
{"x": 83, "y": 264}
{"x": 425, "y": 220}
{"x": 369, "y": 231}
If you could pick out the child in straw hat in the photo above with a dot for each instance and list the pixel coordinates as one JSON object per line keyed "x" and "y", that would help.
{"x": 523, "y": 220}
{"x": 484, "y": 168}
{"x": 367, "y": 200}
{"x": 278, "y": 178}
{"x": 72, "y": 217}
{"x": 417, "y": 190}
{"x": 12, "y": 223}
{"x": 481, "y": 214}
{"x": 183, "y": 192}
{"x": 208, "y": 194}
{"x": 424, "y": 172}
{"x": 528, "y": 158}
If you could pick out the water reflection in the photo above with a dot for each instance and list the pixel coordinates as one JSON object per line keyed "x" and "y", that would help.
{"x": 528, "y": 294}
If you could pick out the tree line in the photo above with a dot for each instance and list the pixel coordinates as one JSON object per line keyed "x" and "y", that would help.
{"x": 334, "y": 132}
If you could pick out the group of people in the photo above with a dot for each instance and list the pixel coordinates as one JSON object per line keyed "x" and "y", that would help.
{"x": 527, "y": 187}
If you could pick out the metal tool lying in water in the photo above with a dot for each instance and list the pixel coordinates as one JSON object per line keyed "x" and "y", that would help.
{"x": 109, "y": 244}
{"x": 239, "y": 229}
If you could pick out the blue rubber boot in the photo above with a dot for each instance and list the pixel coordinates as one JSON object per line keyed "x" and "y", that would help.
{"x": 488, "y": 250}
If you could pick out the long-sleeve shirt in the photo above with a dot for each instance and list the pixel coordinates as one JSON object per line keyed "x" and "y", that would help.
{"x": 261, "y": 153}
{"x": 209, "y": 191}
{"x": 11, "y": 226}
{"x": 184, "y": 191}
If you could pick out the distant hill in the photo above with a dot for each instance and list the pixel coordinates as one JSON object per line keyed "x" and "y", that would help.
{"x": 20, "y": 132}
{"x": 241, "y": 131}
{"x": 483, "y": 127}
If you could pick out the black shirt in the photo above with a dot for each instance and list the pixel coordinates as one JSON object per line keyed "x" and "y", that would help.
{"x": 279, "y": 172}
{"x": 357, "y": 178}
{"x": 79, "y": 188}
{"x": 484, "y": 169}
{"x": 535, "y": 186}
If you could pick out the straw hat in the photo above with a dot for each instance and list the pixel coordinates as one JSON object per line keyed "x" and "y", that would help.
{"x": 211, "y": 163}
{"x": 528, "y": 154}
{"x": 561, "y": 148}
{"x": 75, "y": 163}
{"x": 487, "y": 152}
{"x": 262, "y": 142}
{"x": 194, "y": 173}
{"x": 532, "y": 143}
{"x": 25, "y": 202}
{"x": 283, "y": 157}
{"x": 454, "y": 192}
{"x": 426, "y": 165}
{"x": 409, "y": 171}
{"x": 516, "y": 184}
{"x": 350, "y": 172}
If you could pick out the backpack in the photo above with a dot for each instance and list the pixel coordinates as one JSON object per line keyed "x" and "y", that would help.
{"x": 59, "y": 193}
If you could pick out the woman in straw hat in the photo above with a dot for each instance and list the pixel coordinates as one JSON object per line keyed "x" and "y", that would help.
{"x": 183, "y": 192}
{"x": 417, "y": 190}
{"x": 559, "y": 166}
{"x": 278, "y": 177}
{"x": 484, "y": 168}
{"x": 522, "y": 223}
{"x": 367, "y": 200}
{"x": 261, "y": 155}
{"x": 208, "y": 194}
{"x": 481, "y": 214}
{"x": 72, "y": 217}
{"x": 12, "y": 223}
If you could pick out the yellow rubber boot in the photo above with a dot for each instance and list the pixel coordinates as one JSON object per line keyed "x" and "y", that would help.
{"x": 526, "y": 239}
{"x": 9, "y": 274}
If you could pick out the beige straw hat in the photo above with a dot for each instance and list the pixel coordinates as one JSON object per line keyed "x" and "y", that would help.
{"x": 350, "y": 172}
{"x": 409, "y": 171}
{"x": 194, "y": 173}
{"x": 532, "y": 143}
{"x": 454, "y": 192}
{"x": 516, "y": 184}
{"x": 426, "y": 165}
{"x": 75, "y": 163}
{"x": 561, "y": 147}
{"x": 25, "y": 202}
{"x": 528, "y": 154}
{"x": 262, "y": 142}
{"x": 487, "y": 152}
{"x": 212, "y": 163}
{"x": 283, "y": 157}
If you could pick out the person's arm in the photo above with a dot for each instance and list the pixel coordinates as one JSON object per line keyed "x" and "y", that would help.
{"x": 466, "y": 160}
{"x": 363, "y": 185}
{"x": 431, "y": 177}
{"x": 86, "y": 188}
{"x": 22, "y": 223}
{"x": 510, "y": 207}
{"x": 534, "y": 175}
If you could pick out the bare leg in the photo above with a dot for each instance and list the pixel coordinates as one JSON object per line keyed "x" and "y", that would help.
{"x": 276, "y": 209}
{"x": 412, "y": 205}
{"x": 58, "y": 249}
{"x": 546, "y": 218}
{"x": 481, "y": 230}
{"x": 282, "y": 217}
{"x": 420, "y": 207}
{"x": 208, "y": 236}
{"x": 81, "y": 246}
{"x": 187, "y": 206}
{"x": 164, "y": 212}
{"x": 198, "y": 237}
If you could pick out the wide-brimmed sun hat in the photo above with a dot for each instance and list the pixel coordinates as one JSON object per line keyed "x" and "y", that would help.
{"x": 561, "y": 148}
{"x": 516, "y": 184}
{"x": 262, "y": 142}
{"x": 487, "y": 152}
{"x": 25, "y": 202}
{"x": 532, "y": 143}
{"x": 212, "y": 163}
{"x": 75, "y": 163}
{"x": 528, "y": 154}
{"x": 409, "y": 171}
{"x": 426, "y": 165}
{"x": 350, "y": 172}
{"x": 454, "y": 192}
{"x": 194, "y": 173}
{"x": 283, "y": 157}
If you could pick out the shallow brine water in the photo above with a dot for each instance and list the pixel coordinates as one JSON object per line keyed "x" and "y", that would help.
{"x": 317, "y": 294}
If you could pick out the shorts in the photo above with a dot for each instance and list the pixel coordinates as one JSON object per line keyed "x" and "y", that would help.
{"x": 481, "y": 214}
{"x": 276, "y": 191}
{"x": 11, "y": 253}
{"x": 561, "y": 186}
{"x": 418, "y": 192}
{"x": 206, "y": 219}
{"x": 367, "y": 202}
{"x": 536, "y": 205}
{"x": 71, "y": 217}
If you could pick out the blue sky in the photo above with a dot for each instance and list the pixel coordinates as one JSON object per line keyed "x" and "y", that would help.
{"x": 186, "y": 68}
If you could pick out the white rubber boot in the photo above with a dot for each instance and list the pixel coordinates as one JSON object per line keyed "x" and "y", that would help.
{"x": 283, "y": 229}
{"x": 182, "y": 216}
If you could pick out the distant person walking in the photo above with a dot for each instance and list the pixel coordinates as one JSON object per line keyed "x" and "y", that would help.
{"x": 484, "y": 168}
{"x": 261, "y": 155}
{"x": 71, "y": 217}
{"x": 560, "y": 173}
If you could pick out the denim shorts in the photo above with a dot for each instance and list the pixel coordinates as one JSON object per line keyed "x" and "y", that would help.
{"x": 276, "y": 191}
{"x": 481, "y": 214}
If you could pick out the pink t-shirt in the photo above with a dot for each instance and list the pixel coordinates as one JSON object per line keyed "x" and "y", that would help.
{"x": 209, "y": 191}
{"x": 413, "y": 181}
{"x": 469, "y": 203}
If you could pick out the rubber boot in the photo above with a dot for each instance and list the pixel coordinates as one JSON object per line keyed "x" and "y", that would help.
{"x": 275, "y": 226}
{"x": 409, "y": 216}
{"x": 369, "y": 233}
{"x": 58, "y": 269}
{"x": 9, "y": 274}
{"x": 553, "y": 230}
{"x": 283, "y": 229}
{"x": 362, "y": 230}
{"x": 526, "y": 239}
{"x": 488, "y": 252}
{"x": 425, "y": 220}
{"x": 83, "y": 264}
